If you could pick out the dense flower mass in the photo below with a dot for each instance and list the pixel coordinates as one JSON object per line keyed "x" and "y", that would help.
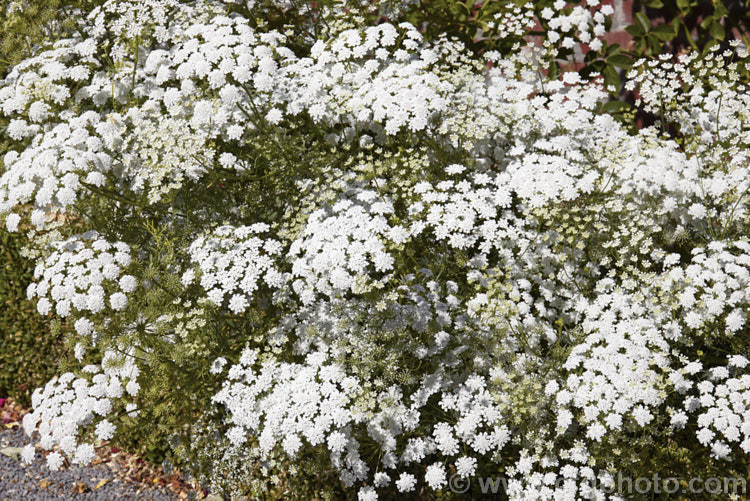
{"x": 74, "y": 276}
{"x": 406, "y": 260}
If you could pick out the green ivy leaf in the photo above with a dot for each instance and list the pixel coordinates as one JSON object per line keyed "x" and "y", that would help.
{"x": 643, "y": 22}
{"x": 611, "y": 77}
{"x": 613, "y": 49}
{"x": 717, "y": 31}
{"x": 634, "y": 30}
{"x": 665, "y": 32}
{"x": 620, "y": 60}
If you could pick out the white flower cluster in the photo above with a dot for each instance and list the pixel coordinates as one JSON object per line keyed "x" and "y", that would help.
{"x": 47, "y": 173}
{"x": 233, "y": 262}
{"x": 153, "y": 147}
{"x": 709, "y": 99}
{"x": 383, "y": 79}
{"x": 364, "y": 94}
{"x": 624, "y": 362}
{"x": 567, "y": 474}
{"x": 69, "y": 403}
{"x": 480, "y": 270}
{"x": 343, "y": 246}
{"x": 126, "y": 21}
{"x": 721, "y": 405}
{"x": 83, "y": 276}
{"x": 285, "y": 403}
{"x": 514, "y": 22}
{"x": 166, "y": 153}
{"x": 713, "y": 289}
{"x": 572, "y": 25}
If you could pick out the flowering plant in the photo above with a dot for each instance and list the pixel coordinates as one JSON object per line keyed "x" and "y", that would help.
{"x": 337, "y": 247}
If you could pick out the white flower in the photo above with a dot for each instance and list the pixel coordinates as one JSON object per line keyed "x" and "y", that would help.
{"x": 679, "y": 419}
{"x": 381, "y": 479}
{"x": 465, "y": 466}
{"x": 596, "y": 431}
{"x": 118, "y": 301}
{"x": 28, "y": 453}
{"x": 406, "y": 482}
{"x": 564, "y": 420}
{"x": 105, "y": 430}
{"x": 68, "y": 444}
{"x": 291, "y": 444}
{"x": 128, "y": 283}
{"x": 188, "y": 277}
{"x": 54, "y": 461}
{"x": 738, "y": 361}
{"x": 237, "y": 436}
{"x": 435, "y": 476}
{"x": 694, "y": 319}
{"x": 11, "y": 222}
{"x": 698, "y": 211}
{"x": 367, "y": 494}
{"x": 96, "y": 178}
{"x": 132, "y": 387}
{"x": 84, "y": 454}
{"x": 132, "y": 410}
{"x": 705, "y": 436}
{"x": 720, "y": 450}
{"x": 44, "y": 306}
{"x": 218, "y": 365}
{"x": 238, "y": 304}
{"x": 274, "y": 116}
{"x": 84, "y": 326}
{"x": 735, "y": 321}
{"x": 642, "y": 415}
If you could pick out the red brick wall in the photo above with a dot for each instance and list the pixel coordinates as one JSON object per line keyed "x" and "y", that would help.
{"x": 622, "y": 17}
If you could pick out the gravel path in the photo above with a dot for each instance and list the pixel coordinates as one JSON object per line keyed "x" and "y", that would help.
{"x": 36, "y": 482}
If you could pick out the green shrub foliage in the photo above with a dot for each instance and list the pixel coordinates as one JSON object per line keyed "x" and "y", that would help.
{"x": 29, "y": 352}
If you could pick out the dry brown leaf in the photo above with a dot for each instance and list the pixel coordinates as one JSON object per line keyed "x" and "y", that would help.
{"x": 44, "y": 484}
{"x": 12, "y": 452}
{"x": 101, "y": 483}
{"x": 80, "y": 488}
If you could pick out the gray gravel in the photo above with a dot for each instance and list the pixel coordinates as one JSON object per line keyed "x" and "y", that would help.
{"x": 19, "y": 482}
